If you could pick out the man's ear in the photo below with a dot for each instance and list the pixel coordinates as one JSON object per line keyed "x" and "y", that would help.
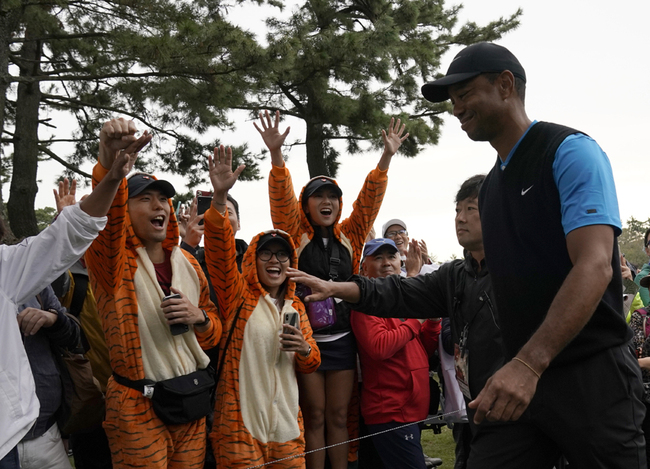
{"x": 506, "y": 82}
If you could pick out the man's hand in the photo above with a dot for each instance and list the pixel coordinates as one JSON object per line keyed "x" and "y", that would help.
{"x": 180, "y": 310}
{"x": 425, "y": 252}
{"x": 66, "y": 194}
{"x": 320, "y": 289}
{"x": 392, "y": 141}
{"x": 272, "y": 137}
{"x": 506, "y": 394}
{"x": 193, "y": 231}
{"x": 31, "y": 320}
{"x": 222, "y": 176}
{"x": 625, "y": 270}
{"x": 413, "y": 262}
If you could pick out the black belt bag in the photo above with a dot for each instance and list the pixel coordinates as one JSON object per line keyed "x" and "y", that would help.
{"x": 177, "y": 400}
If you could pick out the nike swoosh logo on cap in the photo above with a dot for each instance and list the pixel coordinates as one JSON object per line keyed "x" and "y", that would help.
{"x": 523, "y": 192}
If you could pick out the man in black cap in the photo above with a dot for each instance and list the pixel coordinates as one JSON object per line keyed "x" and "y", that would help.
{"x": 550, "y": 220}
{"x": 570, "y": 383}
{"x": 157, "y": 317}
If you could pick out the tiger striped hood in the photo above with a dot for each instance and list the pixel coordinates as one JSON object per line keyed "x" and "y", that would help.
{"x": 249, "y": 264}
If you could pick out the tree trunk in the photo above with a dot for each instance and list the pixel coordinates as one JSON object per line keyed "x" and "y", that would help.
{"x": 7, "y": 19}
{"x": 315, "y": 151}
{"x": 25, "y": 160}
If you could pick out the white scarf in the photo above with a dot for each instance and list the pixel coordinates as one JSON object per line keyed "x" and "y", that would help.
{"x": 166, "y": 356}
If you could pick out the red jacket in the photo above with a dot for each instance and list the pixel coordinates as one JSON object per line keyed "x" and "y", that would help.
{"x": 394, "y": 367}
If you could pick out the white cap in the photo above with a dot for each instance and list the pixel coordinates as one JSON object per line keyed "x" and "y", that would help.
{"x": 394, "y": 221}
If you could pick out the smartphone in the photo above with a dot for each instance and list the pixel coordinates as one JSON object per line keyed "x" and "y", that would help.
{"x": 203, "y": 200}
{"x": 176, "y": 329}
{"x": 291, "y": 319}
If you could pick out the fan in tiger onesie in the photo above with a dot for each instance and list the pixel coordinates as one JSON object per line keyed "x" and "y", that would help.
{"x": 267, "y": 338}
{"x": 330, "y": 250}
{"x": 160, "y": 384}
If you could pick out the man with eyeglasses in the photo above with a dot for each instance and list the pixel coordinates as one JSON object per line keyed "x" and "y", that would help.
{"x": 395, "y": 229}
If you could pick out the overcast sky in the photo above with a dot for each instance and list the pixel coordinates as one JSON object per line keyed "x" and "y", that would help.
{"x": 587, "y": 67}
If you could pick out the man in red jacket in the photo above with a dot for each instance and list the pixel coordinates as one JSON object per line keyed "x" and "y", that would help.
{"x": 395, "y": 368}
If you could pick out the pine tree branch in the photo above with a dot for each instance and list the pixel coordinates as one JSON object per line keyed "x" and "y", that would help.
{"x": 58, "y": 159}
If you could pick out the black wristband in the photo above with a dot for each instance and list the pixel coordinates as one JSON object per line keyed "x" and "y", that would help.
{"x": 206, "y": 320}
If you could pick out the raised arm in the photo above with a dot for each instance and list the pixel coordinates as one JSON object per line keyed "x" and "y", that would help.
{"x": 219, "y": 239}
{"x": 118, "y": 150}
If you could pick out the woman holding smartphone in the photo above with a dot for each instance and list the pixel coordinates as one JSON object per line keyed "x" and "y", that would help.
{"x": 257, "y": 418}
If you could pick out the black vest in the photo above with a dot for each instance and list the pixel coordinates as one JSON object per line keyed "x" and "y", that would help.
{"x": 315, "y": 260}
{"x": 526, "y": 253}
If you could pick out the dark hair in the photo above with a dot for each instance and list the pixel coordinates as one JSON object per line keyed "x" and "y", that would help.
{"x": 3, "y": 229}
{"x": 520, "y": 85}
{"x": 234, "y": 203}
{"x": 645, "y": 237}
{"x": 470, "y": 188}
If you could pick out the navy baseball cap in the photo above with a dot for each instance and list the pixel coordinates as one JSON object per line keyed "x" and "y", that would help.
{"x": 141, "y": 181}
{"x": 274, "y": 235}
{"x": 484, "y": 57}
{"x": 321, "y": 181}
{"x": 373, "y": 245}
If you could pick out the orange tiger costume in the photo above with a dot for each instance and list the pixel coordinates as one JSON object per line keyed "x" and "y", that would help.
{"x": 137, "y": 437}
{"x": 288, "y": 215}
{"x": 257, "y": 417}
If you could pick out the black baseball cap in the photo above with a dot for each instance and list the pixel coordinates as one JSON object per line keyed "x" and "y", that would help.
{"x": 321, "y": 181}
{"x": 141, "y": 181}
{"x": 484, "y": 57}
{"x": 274, "y": 235}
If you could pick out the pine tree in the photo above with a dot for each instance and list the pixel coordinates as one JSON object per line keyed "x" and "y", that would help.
{"x": 175, "y": 66}
{"x": 346, "y": 66}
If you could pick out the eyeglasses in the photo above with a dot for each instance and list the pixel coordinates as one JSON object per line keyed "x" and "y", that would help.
{"x": 266, "y": 255}
{"x": 392, "y": 234}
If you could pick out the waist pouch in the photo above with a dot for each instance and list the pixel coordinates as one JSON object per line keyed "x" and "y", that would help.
{"x": 177, "y": 400}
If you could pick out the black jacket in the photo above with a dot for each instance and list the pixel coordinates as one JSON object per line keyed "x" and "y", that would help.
{"x": 458, "y": 291}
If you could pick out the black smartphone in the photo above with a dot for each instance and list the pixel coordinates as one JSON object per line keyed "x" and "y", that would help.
{"x": 291, "y": 319}
{"x": 203, "y": 201}
{"x": 176, "y": 329}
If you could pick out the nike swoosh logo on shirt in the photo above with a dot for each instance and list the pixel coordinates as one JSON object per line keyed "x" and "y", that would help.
{"x": 523, "y": 192}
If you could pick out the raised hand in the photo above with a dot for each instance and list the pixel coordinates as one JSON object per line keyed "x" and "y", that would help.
{"x": 413, "y": 262}
{"x": 425, "y": 252}
{"x": 392, "y": 141}
{"x": 393, "y": 138}
{"x": 193, "y": 228}
{"x": 271, "y": 135}
{"x": 221, "y": 174}
{"x": 66, "y": 195}
{"x": 118, "y": 144}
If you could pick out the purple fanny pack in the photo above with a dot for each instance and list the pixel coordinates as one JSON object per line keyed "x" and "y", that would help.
{"x": 321, "y": 314}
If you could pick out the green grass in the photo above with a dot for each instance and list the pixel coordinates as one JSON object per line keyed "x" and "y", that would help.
{"x": 440, "y": 446}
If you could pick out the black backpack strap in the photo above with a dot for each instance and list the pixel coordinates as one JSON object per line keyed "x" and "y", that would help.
{"x": 335, "y": 260}
{"x": 225, "y": 348}
{"x": 79, "y": 294}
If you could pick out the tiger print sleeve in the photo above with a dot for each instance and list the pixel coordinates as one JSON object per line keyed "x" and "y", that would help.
{"x": 105, "y": 257}
{"x": 312, "y": 362}
{"x": 210, "y": 338}
{"x": 365, "y": 208}
{"x": 285, "y": 208}
{"x": 221, "y": 259}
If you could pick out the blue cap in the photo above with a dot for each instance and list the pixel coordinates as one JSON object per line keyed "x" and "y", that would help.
{"x": 373, "y": 245}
